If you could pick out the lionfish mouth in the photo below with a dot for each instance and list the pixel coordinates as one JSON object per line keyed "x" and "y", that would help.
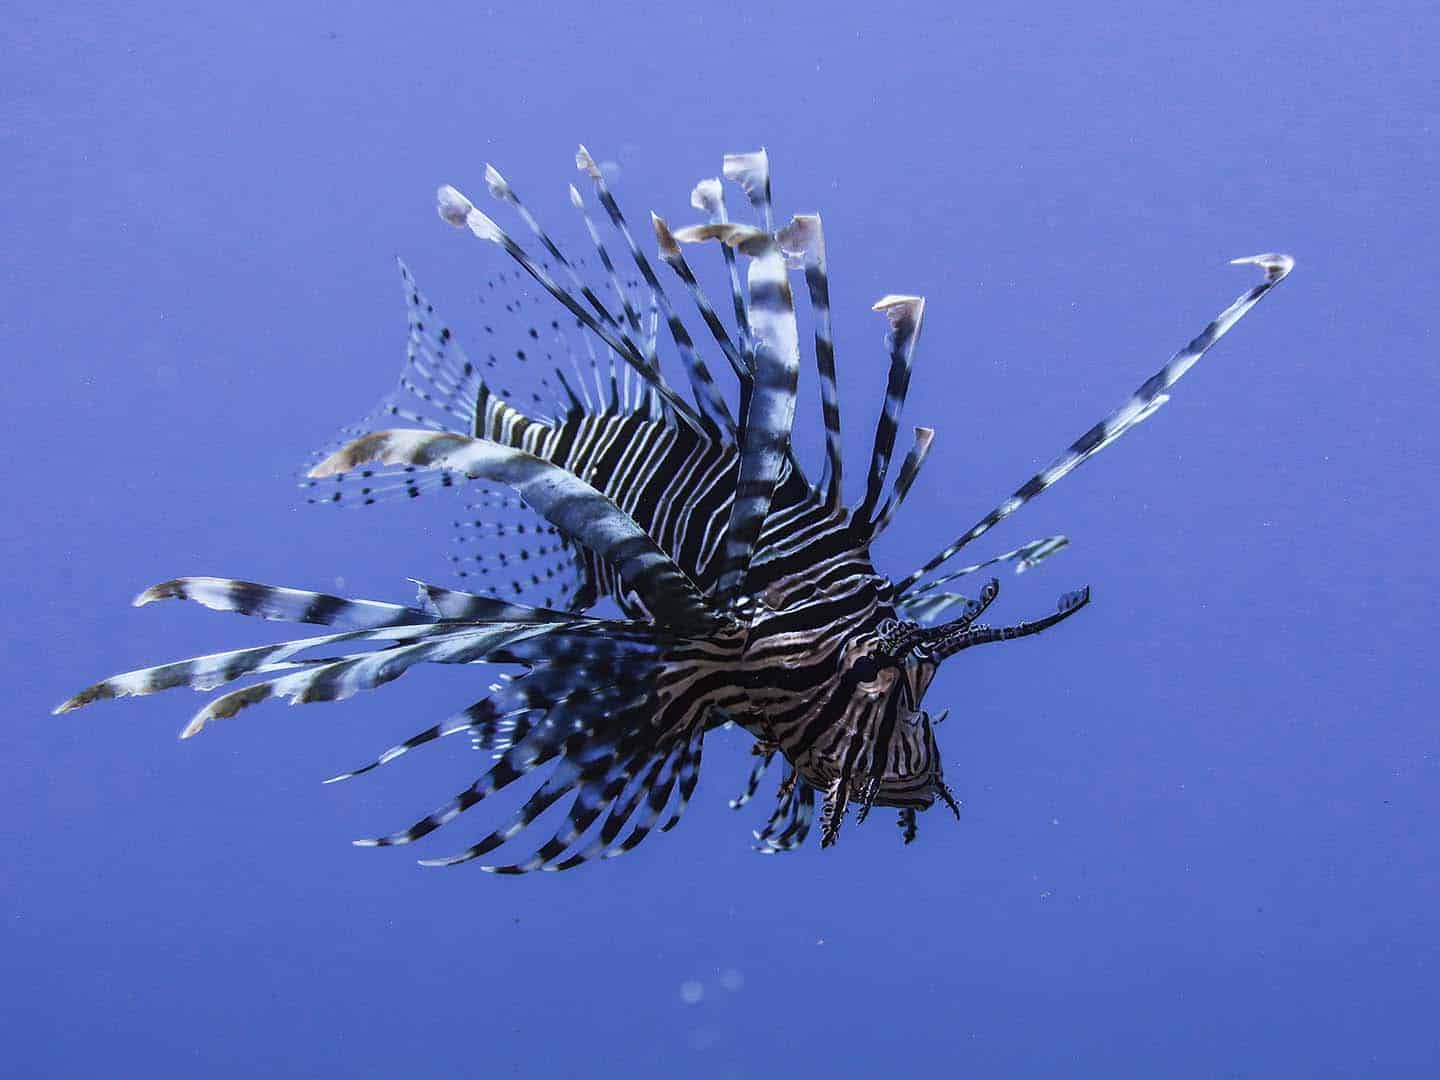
{"x": 678, "y": 504}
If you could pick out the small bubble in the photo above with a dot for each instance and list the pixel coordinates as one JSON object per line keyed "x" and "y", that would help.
{"x": 691, "y": 991}
{"x": 731, "y": 980}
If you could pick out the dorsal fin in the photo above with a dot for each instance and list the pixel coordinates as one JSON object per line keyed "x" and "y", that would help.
{"x": 459, "y": 211}
{"x": 1139, "y": 406}
{"x": 906, "y": 314}
{"x": 804, "y": 239}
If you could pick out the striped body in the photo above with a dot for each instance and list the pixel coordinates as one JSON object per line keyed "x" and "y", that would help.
{"x": 816, "y": 592}
{"x": 746, "y": 590}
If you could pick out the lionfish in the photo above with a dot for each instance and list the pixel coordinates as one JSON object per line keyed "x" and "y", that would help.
{"x": 746, "y": 591}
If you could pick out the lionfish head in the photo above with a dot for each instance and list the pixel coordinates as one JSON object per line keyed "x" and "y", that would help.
{"x": 886, "y": 673}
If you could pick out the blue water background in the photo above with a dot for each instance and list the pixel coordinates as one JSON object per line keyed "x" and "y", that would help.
{"x": 1199, "y": 833}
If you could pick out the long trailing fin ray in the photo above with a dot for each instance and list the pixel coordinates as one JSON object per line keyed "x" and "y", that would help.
{"x": 752, "y": 782}
{"x": 689, "y": 776}
{"x": 784, "y": 805}
{"x": 1139, "y": 406}
{"x": 283, "y": 604}
{"x": 459, "y": 211}
{"x": 621, "y": 811}
{"x": 632, "y": 316}
{"x": 590, "y": 763}
{"x": 707, "y": 396}
{"x": 348, "y": 675}
{"x": 501, "y": 189}
{"x": 789, "y": 823}
{"x": 657, "y": 798}
{"x": 567, "y": 731}
{"x": 560, "y": 782}
{"x": 582, "y": 513}
{"x": 504, "y": 719}
{"x": 674, "y": 257}
{"x": 765, "y": 440}
{"x": 205, "y": 673}
{"x": 906, "y": 314}
{"x": 601, "y": 783}
{"x": 709, "y": 196}
{"x": 469, "y": 607}
{"x": 797, "y": 827}
{"x": 804, "y": 238}
{"x": 752, "y": 172}
{"x": 910, "y": 469}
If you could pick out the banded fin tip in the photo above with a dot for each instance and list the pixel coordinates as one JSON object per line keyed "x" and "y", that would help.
{"x": 752, "y": 172}
{"x": 707, "y": 195}
{"x": 745, "y": 238}
{"x": 443, "y": 860}
{"x": 898, "y": 308}
{"x": 669, "y": 247}
{"x": 746, "y": 168}
{"x": 80, "y": 700}
{"x": 586, "y": 164}
{"x": 457, "y": 210}
{"x": 165, "y": 590}
{"x": 497, "y": 184}
{"x": 800, "y": 240}
{"x": 1275, "y": 264}
{"x": 452, "y": 206}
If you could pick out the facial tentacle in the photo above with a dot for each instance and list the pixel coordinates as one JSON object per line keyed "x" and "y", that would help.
{"x": 1069, "y": 604}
